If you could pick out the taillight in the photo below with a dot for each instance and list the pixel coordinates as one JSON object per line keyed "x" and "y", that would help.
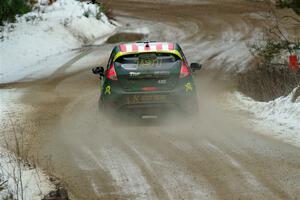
{"x": 111, "y": 73}
{"x": 184, "y": 71}
{"x": 149, "y": 89}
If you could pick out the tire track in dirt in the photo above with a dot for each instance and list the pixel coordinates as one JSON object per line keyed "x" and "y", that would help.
{"x": 161, "y": 173}
{"x": 196, "y": 165}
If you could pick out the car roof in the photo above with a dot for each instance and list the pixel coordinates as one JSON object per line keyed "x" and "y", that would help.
{"x": 147, "y": 46}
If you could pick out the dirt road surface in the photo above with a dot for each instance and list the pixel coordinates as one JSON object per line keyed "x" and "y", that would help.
{"x": 217, "y": 158}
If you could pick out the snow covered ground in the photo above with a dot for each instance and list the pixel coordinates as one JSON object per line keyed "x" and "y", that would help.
{"x": 42, "y": 40}
{"x": 21, "y": 181}
{"x": 280, "y": 118}
{"x": 13, "y": 172}
{"x": 11, "y": 107}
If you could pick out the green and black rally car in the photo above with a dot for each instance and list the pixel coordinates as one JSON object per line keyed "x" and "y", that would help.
{"x": 148, "y": 79}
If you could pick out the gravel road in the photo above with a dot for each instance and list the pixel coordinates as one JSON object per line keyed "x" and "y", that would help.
{"x": 220, "y": 157}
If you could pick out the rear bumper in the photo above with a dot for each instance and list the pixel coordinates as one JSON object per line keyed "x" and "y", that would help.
{"x": 181, "y": 98}
{"x": 149, "y": 109}
{"x": 173, "y": 102}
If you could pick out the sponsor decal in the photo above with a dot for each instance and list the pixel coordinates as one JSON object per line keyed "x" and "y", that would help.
{"x": 149, "y": 62}
{"x": 136, "y": 99}
{"x": 188, "y": 87}
{"x": 134, "y": 74}
{"x": 107, "y": 90}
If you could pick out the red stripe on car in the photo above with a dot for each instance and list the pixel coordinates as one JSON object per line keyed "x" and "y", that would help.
{"x": 159, "y": 46}
{"x": 171, "y": 46}
{"x": 135, "y": 47}
{"x": 123, "y": 47}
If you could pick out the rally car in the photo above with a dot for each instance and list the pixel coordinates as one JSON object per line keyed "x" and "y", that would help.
{"x": 148, "y": 79}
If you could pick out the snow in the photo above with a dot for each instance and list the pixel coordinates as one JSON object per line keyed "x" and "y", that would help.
{"x": 35, "y": 183}
{"x": 41, "y": 40}
{"x": 126, "y": 174}
{"x": 280, "y": 117}
{"x": 11, "y": 107}
{"x": 247, "y": 175}
{"x": 181, "y": 2}
{"x": 230, "y": 52}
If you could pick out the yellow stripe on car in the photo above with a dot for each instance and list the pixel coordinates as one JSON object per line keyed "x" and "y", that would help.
{"x": 119, "y": 54}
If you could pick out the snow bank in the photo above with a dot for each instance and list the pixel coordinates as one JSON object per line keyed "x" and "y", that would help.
{"x": 35, "y": 185}
{"x": 11, "y": 108}
{"x": 47, "y": 32}
{"x": 281, "y": 117}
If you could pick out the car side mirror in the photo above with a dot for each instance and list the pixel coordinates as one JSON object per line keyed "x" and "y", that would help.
{"x": 99, "y": 71}
{"x": 196, "y": 66}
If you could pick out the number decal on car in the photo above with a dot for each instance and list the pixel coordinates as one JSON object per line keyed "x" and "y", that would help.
{"x": 162, "y": 81}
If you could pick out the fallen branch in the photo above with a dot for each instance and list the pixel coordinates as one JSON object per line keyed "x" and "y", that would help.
{"x": 4, "y": 182}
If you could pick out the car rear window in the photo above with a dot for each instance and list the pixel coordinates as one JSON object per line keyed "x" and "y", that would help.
{"x": 146, "y": 61}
